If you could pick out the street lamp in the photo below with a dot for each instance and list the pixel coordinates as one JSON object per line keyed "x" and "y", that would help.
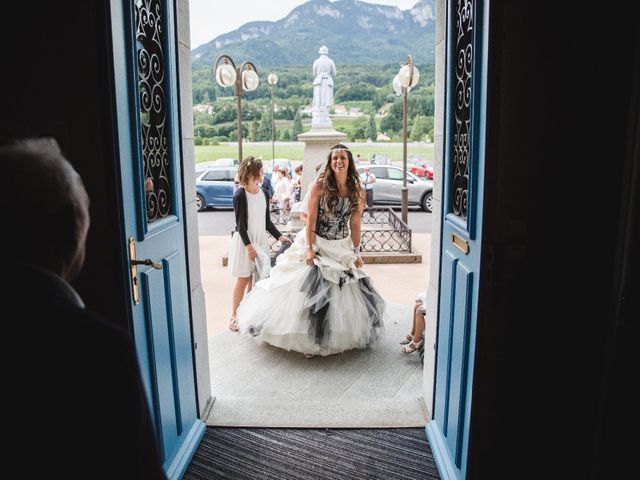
{"x": 272, "y": 79}
{"x": 244, "y": 78}
{"x": 406, "y": 79}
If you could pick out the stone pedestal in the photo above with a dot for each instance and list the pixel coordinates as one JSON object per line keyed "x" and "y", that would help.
{"x": 317, "y": 143}
{"x": 320, "y": 119}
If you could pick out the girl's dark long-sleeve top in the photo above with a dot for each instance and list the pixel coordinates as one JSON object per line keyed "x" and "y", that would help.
{"x": 240, "y": 208}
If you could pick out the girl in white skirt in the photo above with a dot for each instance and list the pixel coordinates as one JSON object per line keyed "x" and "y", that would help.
{"x": 251, "y": 208}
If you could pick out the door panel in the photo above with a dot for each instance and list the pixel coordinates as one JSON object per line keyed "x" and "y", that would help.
{"x": 459, "y": 361}
{"x": 145, "y": 66}
{"x": 465, "y": 94}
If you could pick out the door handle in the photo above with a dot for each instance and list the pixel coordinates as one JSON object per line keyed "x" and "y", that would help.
{"x": 133, "y": 264}
{"x": 149, "y": 262}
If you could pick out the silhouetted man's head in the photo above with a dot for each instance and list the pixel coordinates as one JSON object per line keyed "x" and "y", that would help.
{"x": 45, "y": 205}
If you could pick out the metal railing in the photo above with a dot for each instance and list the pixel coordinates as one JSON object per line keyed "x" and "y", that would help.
{"x": 382, "y": 232}
{"x": 278, "y": 215}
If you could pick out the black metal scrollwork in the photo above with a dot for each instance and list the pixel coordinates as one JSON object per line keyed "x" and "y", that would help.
{"x": 383, "y": 232}
{"x": 152, "y": 93}
{"x": 462, "y": 106}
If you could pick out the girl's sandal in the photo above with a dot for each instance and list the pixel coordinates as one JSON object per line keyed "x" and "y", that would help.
{"x": 413, "y": 346}
{"x": 233, "y": 325}
{"x": 406, "y": 340}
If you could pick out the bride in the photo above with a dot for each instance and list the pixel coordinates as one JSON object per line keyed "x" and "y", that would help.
{"x": 318, "y": 300}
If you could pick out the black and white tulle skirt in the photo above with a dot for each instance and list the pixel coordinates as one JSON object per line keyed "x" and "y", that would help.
{"x": 323, "y": 309}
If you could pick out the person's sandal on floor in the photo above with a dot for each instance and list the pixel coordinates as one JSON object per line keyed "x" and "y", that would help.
{"x": 233, "y": 325}
{"x": 413, "y": 346}
{"x": 406, "y": 340}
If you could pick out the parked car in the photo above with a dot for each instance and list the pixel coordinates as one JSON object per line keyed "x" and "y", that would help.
{"x": 215, "y": 187}
{"x": 380, "y": 159}
{"x": 226, "y": 162}
{"x": 418, "y": 166}
{"x": 387, "y": 190}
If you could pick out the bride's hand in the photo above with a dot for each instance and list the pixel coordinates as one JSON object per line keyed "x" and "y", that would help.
{"x": 359, "y": 262}
{"x": 284, "y": 239}
{"x": 311, "y": 255}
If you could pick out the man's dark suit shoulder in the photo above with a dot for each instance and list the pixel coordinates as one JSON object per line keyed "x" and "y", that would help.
{"x": 83, "y": 379}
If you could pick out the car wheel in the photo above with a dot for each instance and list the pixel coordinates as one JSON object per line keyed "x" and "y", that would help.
{"x": 200, "y": 202}
{"x": 427, "y": 202}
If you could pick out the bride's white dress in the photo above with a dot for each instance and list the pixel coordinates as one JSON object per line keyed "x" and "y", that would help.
{"x": 322, "y": 309}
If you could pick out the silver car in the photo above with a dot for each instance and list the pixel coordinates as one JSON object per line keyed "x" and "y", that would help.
{"x": 387, "y": 190}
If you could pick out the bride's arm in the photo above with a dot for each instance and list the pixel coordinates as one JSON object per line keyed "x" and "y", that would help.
{"x": 312, "y": 215}
{"x": 356, "y": 228}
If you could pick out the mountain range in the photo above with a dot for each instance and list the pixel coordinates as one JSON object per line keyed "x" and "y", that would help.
{"x": 355, "y": 32}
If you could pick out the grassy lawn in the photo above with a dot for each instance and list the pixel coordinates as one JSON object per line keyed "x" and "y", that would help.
{"x": 294, "y": 150}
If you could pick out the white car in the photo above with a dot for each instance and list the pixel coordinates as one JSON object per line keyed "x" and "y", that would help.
{"x": 225, "y": 162}
{"x": 387, "y": 190}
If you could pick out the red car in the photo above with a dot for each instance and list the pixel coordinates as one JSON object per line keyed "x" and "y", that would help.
{"x": 418, "y": 166}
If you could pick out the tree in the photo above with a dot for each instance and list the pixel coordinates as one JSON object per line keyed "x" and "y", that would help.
{"x": 297, "y": 126}
{"x": 254, "y": 134}
{"x": 198, "y": 130}
{"x": 392, "y": 122}
{"x": 264, "y": 134}
{"x": 371, "y": 131}
{"x": 286, "y": 136}
{"x": 202, "y": 118}
{"x": 226, "y": 130}
{"x": 379, "y": 99}
{"x": 420, "y": 128}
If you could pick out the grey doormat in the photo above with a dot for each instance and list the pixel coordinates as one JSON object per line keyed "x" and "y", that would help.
{"x": 264, "y": 386}
{"x": 305, "y": 454}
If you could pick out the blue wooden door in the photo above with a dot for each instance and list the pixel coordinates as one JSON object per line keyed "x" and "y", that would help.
{"x": 144, "y": 60}
{"x": 465, "y": 94}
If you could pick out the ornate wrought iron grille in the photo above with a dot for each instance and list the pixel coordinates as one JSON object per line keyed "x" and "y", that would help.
{"x": 462, "y": 106}
{"x": 382, "y": 232}
{"x": 152, "y": 92}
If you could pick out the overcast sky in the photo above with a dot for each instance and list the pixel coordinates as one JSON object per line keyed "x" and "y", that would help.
{"x": 210, "y": 18}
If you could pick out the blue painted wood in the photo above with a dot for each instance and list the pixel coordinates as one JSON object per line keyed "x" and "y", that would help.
{"x": 438, "y": 444}
{"x": 448, "y": 431}
{"x": 161, "y": 321}
{"x": 445, "y": 335}
{"x": 184, "y": 455}
{"x": 458, "y": 366}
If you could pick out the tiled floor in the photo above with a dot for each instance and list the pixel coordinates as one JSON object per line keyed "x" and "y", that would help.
{"x": 263, "y": 386}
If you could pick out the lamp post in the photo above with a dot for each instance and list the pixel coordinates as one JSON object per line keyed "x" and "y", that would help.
{"x": 244, "y": 77}
{"x": 406, "y": 78}
{"x": 272, "y": 79}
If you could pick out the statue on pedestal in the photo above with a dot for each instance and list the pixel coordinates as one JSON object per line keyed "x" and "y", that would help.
{"x": 323, "y": 70}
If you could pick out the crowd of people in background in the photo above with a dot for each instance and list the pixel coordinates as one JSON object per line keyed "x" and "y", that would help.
{"x": 283, "y": 188}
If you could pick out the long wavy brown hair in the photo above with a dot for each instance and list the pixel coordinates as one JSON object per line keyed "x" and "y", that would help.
{"x": 330, "y": 184}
